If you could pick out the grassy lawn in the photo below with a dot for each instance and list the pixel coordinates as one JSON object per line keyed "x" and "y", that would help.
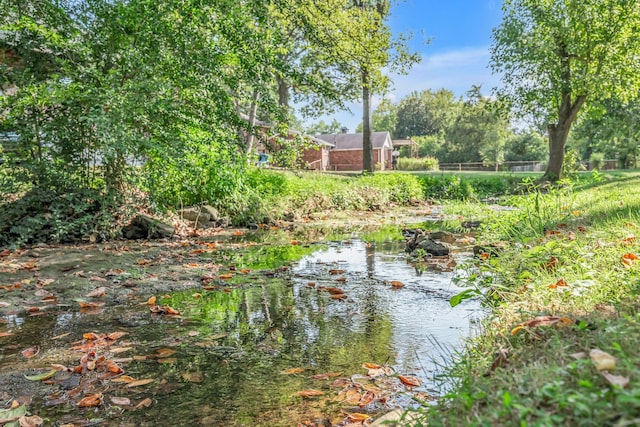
{"x": 565, "y": 290}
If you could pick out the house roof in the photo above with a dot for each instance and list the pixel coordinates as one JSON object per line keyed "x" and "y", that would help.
{"x": 353, "y": 141}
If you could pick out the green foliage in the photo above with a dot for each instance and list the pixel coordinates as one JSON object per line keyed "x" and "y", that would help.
{"x": 39, "y": 216}
{"x": 420, "y": 164}
{"x": 555, "y": 56}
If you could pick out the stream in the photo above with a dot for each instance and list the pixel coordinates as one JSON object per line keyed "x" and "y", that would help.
{"x": 278, "y": 347}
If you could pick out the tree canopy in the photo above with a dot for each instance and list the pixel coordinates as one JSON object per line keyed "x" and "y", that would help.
{"x": 555, "y": 55}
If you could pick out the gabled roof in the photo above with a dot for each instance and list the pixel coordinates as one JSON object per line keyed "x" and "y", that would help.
{"x": 353, "y": 141}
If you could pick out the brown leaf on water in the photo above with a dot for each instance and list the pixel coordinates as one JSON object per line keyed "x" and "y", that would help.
{"x": 325, "y": 376}
{"x": 91, "y": 400}
{"x": 616, "y": 380}
{"x": 357, "y": 417}
{"x": 396, "y": 284}
{"x": 336, "y": 271}
{"x": 292, "y": 371}
{"x": 309, "y": 393}
{"x": 371, "y": 366}
{"x": 165, "y": 352}
{"x": 165, "y": 309}
{"x": 193, "y": 377}
{"x": 123, "y": 379}
{"x": 115, "y": 335}
{"x": 99, "y": 292}
{"x": 30, "y": 421}
{"x": 91, "y": 336}
{"x": 113, "y": 367}
{"x": 145, "y": 403}
{"x": 409, "y": 380}
{"x": 140, "y": 382}
{"x": 30, "y": 352}
{"x": 89, "y": 304}
{"x": 41, "y": 283}
{"x": 120, "y": 401}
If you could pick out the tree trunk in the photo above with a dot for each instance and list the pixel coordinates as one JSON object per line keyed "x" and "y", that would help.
{"x": 367, "y": 148}
{"x": 283, "y": 94}
{"x": 253, "y": 113}
{"x": 558, "y": 134}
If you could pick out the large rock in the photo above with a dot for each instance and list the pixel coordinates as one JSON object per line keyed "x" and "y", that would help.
{"x": 146, "y": 227}
{"x": 444, "y": 236}
{"x": 195, "y": 214}
{"x": 433, "y": 247}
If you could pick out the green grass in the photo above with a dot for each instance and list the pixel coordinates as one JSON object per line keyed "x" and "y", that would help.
{"x": 543, "y": 375}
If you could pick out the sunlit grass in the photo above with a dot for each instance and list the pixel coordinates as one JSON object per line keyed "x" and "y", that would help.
{"x": 565, "y": 259}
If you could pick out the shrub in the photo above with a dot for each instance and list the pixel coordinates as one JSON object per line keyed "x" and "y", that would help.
{"x": 420, "y": 164}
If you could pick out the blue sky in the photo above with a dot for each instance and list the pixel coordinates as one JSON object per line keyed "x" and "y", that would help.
{"x": 456, "y": 57}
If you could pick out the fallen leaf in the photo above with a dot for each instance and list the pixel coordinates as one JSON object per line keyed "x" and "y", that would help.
{"x": 30, "y": 352}
{"x": 336, "y": 271}
{"x": 618, "y": 380}
{"x": 91, "y": 400}
{"x": 226, "y": 276}
{"x": 42, "y": 376}
{"x": 309, "y": 393}
{"x": 292, "y": 371}
{"x": 145, "y": 403}
{"x": 120, "y": 401}
{"x": 396, "y": 284}
{"x": 151, "y": 300}
{"x": 165, "y": 352}
{"x": 325, "y": 376}
{"x": 5, "y": 334}
{"x": 371, "y": 365}
{"x": 560, "y": 283}
{"x": 123, "y": 379}
{"x": 193, "y": 333}
{"x": 113, "y": 367}
{"x": 115, "y": 335}
{"x": 409, "y": 380}
{"x": 30, "y": 421}
{"x": 629, "y": 259}
{"x": 500, "y": 359}
{"x": 91, "y": 336}
{"x": 140, "y": 382}
{"x": 89, "y": 304}
{"x": 357, "y": 417}
{"x": 97, "y": 279}
{"x": 99, "y": 292}
{"x": 542, "y": 321}
{"x": 603, "y": 361}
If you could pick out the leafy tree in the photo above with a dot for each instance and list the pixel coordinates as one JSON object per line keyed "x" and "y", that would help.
{"x": 426, "y": 113}
{"x": 357, "y": 40}
{"x": 383, "y": 118}
{"x": 526, "y": 146}
{"x": 554, "y": 55}
{"x": 478, "y": 133}
{"x": 324, "y": 128}
{"x": 611, "y": 130}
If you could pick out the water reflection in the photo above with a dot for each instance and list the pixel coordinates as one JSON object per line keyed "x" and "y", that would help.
{"x": 232, "y": 346}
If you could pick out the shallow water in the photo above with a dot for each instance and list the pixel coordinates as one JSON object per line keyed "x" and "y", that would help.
{"x": 233, "y": 349}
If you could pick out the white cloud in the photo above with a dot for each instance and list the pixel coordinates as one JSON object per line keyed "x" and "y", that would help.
{"x": 456, "y": 70}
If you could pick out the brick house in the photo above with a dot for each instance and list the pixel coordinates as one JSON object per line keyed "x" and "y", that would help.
{"x": 346, "y": 153}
